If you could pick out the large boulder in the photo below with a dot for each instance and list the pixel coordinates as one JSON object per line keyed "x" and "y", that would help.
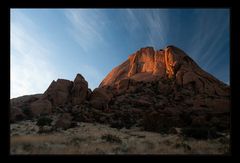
{"x": 16, "y": 114}
{"x": 24, "y": 100}
{"x": 58, "y": 92}
{"x": 41, "y": 107}
{"x": 79, "y": 90}
{"x": 64, "y": 121}
{"x": 219, "y": 105}
{"x": 100, "y": 98}
{"x": 20, "y": 107}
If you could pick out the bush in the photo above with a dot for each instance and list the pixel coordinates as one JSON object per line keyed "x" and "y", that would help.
{"x": 116, "y": 124}
{"x": 158, "y": 123}
{"x": 44, "y": 121}
{"x": 45, "y": 129}
{"x": 111, "y": 138}
{"x": 183, "y": 145}
{"x": 27, "y": 146}
{"x": 76, "y": 141}
{"x": 122, "y": 120}
{"x": 200, "y": 132}
{"x": 27, "y": 112}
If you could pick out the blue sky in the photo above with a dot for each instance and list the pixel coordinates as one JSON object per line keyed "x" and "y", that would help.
{"x": 47, "y": 44}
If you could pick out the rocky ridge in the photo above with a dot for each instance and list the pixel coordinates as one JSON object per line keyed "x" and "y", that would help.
{"x": 156, "y": 90}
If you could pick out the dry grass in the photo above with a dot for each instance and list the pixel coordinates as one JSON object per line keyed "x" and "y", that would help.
{"x": 36, "y": 139}
{"x": 87, "y": 139}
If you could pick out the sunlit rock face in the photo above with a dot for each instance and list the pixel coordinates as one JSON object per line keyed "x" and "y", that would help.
{"x": 167, "y": 83}
{"x": 170, "y": 63}
{"x": 146, "y": 63}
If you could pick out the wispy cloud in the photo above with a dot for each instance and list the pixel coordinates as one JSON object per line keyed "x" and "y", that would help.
{"x": 157, "y": 23}
{"x": 31, "y": 72}
{"x": 203, "y": 32}
{"x": 89, "y": 28}
{"x": 108, "y": 36}
{"x": 210, "y": 42}
{"x": 153, "y": 22}
{"x": 209, "y": 32}
{"x": 86, "y": 27}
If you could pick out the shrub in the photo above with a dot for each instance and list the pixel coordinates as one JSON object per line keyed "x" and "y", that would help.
{"x": 116, "y": 124}
{"x": 76, "y": 140}
{"x": 27, "y": 112}
{"x": 45, "y": 129}
{"x": 111, "y": 138}
{"x": 27, "y": 146}
{"x": 158, "y": 123}
{"x": 122, "y": 120}
{"x": 183, "y": 145}
{"x": 43, "y": 121}
{"x": 200, "y": 132}
{"x": 221, "y": 123}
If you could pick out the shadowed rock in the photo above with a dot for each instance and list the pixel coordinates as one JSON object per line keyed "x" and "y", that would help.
{"x": 100, "y": 98}
{"x": 41, "y": 107}
{"x": 64, "y": 121}
{"x": 58, "y": 92}
{"x": 79, "y": 90}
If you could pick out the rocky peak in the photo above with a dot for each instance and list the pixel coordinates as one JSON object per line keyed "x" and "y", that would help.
{"x": 60, "y": 93}
{"x": 79, "y": 90}
{"x": 171, "y": 62}
{"x": 147, "y": 62}
{"x": 79, "y": 78}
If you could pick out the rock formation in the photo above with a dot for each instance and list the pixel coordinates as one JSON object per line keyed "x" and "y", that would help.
{"x": 79, "y": 90}
{"x": 153, "y": 89}
{"x": 167, "y": 83}
{"x": 20, "y": 107}
{"x": 100, "y": 98}
{"x": 64, "y": 121}
{"x": 40, "y": 107}
{"x": 149, "y": 65}
{"x": 60, "y": 93}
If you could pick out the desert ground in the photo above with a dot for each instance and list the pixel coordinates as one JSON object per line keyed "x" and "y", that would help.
{"x": 94, "y": 138}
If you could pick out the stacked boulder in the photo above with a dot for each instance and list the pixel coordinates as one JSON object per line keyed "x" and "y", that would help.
{"x": 60, "y": 93}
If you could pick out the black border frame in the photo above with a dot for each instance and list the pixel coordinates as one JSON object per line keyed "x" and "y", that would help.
{"x": 234, "y": 62}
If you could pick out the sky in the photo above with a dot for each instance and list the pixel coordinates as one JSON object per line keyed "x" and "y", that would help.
{"x": 51, "y": 44}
